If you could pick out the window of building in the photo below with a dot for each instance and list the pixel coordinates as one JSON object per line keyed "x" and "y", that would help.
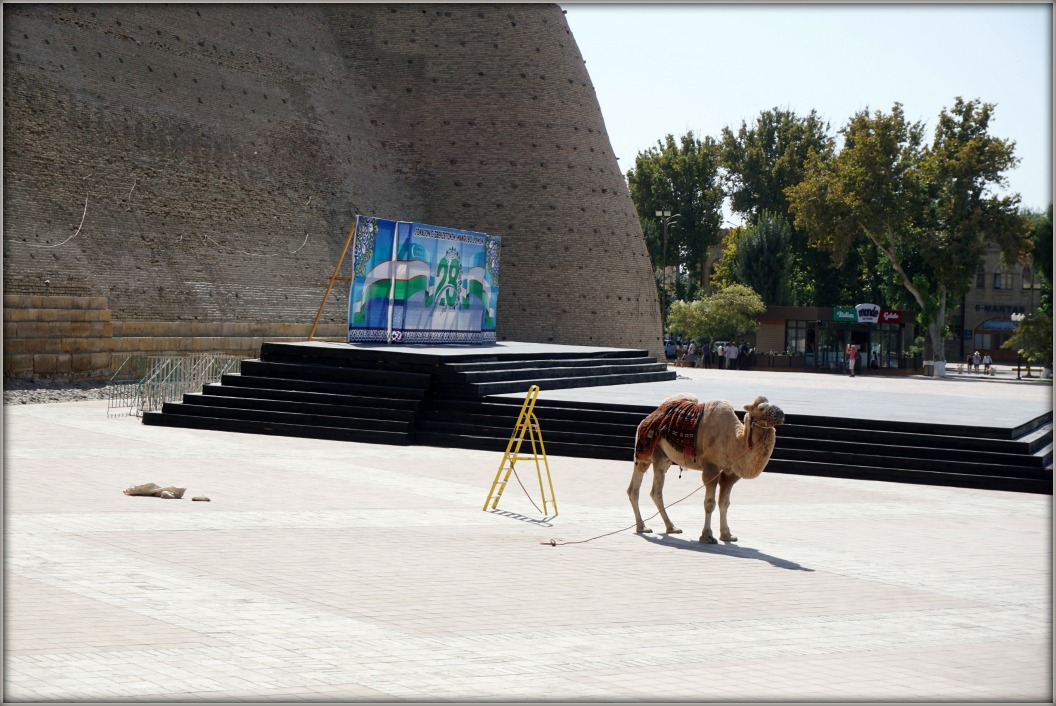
{"x": 884, "y": 348}
{"x": 830, "y": 348}
{"x": 980, "y": 279}
{"x": 998, "y": 276}
{"x": 991, "y": 342}
{"x": 796, "y": 336}
{"x": 1029, "y": 280}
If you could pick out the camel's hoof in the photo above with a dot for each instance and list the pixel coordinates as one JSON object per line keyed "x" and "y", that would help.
{"x": 674, "y": 530}
{"x": 643, "y": 530}
{"x": 707, "y": 539}
{"x": 729, "y": 538}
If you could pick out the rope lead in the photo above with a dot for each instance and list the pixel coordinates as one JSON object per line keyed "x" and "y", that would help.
{"x": 553, "y": 543}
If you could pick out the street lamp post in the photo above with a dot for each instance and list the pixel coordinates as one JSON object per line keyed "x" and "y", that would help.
{"x": 1018, "y": 318}
{"x": 666, "y": 219}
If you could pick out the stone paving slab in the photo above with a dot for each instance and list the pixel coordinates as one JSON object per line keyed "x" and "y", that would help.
{"x": 332, "y": 571}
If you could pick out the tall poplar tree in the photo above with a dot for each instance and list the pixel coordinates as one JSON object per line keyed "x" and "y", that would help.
{"x": 763, "y": 259}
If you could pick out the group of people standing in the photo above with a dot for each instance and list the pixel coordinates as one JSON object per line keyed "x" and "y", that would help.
{"x": 974, "y": 360}
{"x": 729, "y": 355}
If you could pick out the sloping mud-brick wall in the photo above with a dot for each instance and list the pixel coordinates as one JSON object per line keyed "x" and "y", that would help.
{"x": 203, "y": 163}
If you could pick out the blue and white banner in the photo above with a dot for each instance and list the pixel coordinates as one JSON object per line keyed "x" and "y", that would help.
{"x": 416, "y": 283}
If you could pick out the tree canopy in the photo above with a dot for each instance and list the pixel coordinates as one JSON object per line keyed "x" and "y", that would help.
{"x": 763, "y": 160}
{"x": 681, "y": 177}
{"x": 1039, "y": 228}
{"x": 1033, "y": 336}
{"x": 873, "y": 211}
{"x": 760, "y": 162}
{"x": 764, "y": 258}
{"x": 727, "y": 314}
{"x": 928, "y": 211}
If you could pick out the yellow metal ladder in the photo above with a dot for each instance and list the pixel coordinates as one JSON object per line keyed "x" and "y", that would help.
{"x": 526, "y": 423}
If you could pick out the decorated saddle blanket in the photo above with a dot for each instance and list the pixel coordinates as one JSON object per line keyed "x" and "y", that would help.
{"x": 676, "y": 422}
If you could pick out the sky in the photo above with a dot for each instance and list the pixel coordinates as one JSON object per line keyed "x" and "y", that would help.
{"x": 662, "y": 69}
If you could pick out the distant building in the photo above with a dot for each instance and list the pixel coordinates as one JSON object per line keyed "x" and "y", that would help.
{"x": 983, "y": 320}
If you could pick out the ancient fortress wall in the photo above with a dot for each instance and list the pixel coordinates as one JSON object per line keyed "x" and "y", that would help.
{"x": 201, "y": 165}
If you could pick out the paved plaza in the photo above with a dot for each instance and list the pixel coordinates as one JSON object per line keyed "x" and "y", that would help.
{"x": 334, "y": 571}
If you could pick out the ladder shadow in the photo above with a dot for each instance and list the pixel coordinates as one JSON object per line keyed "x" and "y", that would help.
{"x": 723, "y": 549}
{"x": 539, "y": 522}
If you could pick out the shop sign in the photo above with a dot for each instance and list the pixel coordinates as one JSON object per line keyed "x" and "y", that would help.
{"x": 890, "y": 316}
{"x": 868, "y": 313}
{"x": 999, "y": 326}
{"x": 844, "y": 313}
{"x": 1001, "y": 308}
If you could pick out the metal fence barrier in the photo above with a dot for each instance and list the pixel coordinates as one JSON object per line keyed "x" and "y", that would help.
{"x": 143, "y": 383}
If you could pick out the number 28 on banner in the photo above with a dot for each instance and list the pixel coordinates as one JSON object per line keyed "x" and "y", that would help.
{"x": 449, "y": 280}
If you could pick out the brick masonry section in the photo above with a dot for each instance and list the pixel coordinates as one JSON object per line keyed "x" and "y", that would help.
{"x": 197, "y": 164}
{"x": 56, "y": 337}
{"x": 72, "y": 338}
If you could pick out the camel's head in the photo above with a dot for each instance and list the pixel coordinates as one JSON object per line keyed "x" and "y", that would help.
{"x": 762, "y": 411}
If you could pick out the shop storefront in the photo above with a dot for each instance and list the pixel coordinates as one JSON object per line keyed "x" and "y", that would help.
{"x": 816, "y": 338}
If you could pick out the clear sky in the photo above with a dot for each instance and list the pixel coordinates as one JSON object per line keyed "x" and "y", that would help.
{"x": 662, "y": 69}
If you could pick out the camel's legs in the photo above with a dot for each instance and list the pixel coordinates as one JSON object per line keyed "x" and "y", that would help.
{"x": 728, "y": 479}
{"x": 711, "y": 480}
{"x": 640, "y": 467}
{"x": 660, "y": 467}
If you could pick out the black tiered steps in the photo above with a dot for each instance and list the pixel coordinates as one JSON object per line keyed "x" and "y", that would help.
{"x": 841, "y": 448}
{"x": 372, "y": 393}
{"x": 470, "y": 396}
{"x": 286, "y": 395}
{"x": 480, "y": 378}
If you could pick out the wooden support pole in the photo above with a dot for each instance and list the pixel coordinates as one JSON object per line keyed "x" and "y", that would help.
{"x": 334, "y": 277}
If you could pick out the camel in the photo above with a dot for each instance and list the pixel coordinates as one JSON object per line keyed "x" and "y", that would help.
{"x": 704, "y": 436}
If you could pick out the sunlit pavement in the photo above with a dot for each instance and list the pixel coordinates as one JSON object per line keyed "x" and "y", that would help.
{"x": 326, "y": 571}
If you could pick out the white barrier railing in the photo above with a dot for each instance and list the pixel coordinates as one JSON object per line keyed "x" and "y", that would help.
{"x": 143, "y": 383}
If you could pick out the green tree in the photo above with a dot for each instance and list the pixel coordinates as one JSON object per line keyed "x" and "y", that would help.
{"x": 729, "y": 313}
{"x": 760, "y": 162}
{"x": 1033, "y": 338}
{"x": 681, "y": 177}
{"x": 723, "y": 275}
{"x": 764, "y": 258}
{"x": 763, "y": 160}
{"x": 928, "y": 212}
{"x": 1039, "y": 230}
{"x": 963, "y": 217}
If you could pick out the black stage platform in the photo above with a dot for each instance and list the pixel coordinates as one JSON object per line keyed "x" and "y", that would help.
{"x": 592, "y": 398}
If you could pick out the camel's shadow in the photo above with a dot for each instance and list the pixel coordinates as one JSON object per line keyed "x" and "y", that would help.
{"x": 725, "y": 549}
